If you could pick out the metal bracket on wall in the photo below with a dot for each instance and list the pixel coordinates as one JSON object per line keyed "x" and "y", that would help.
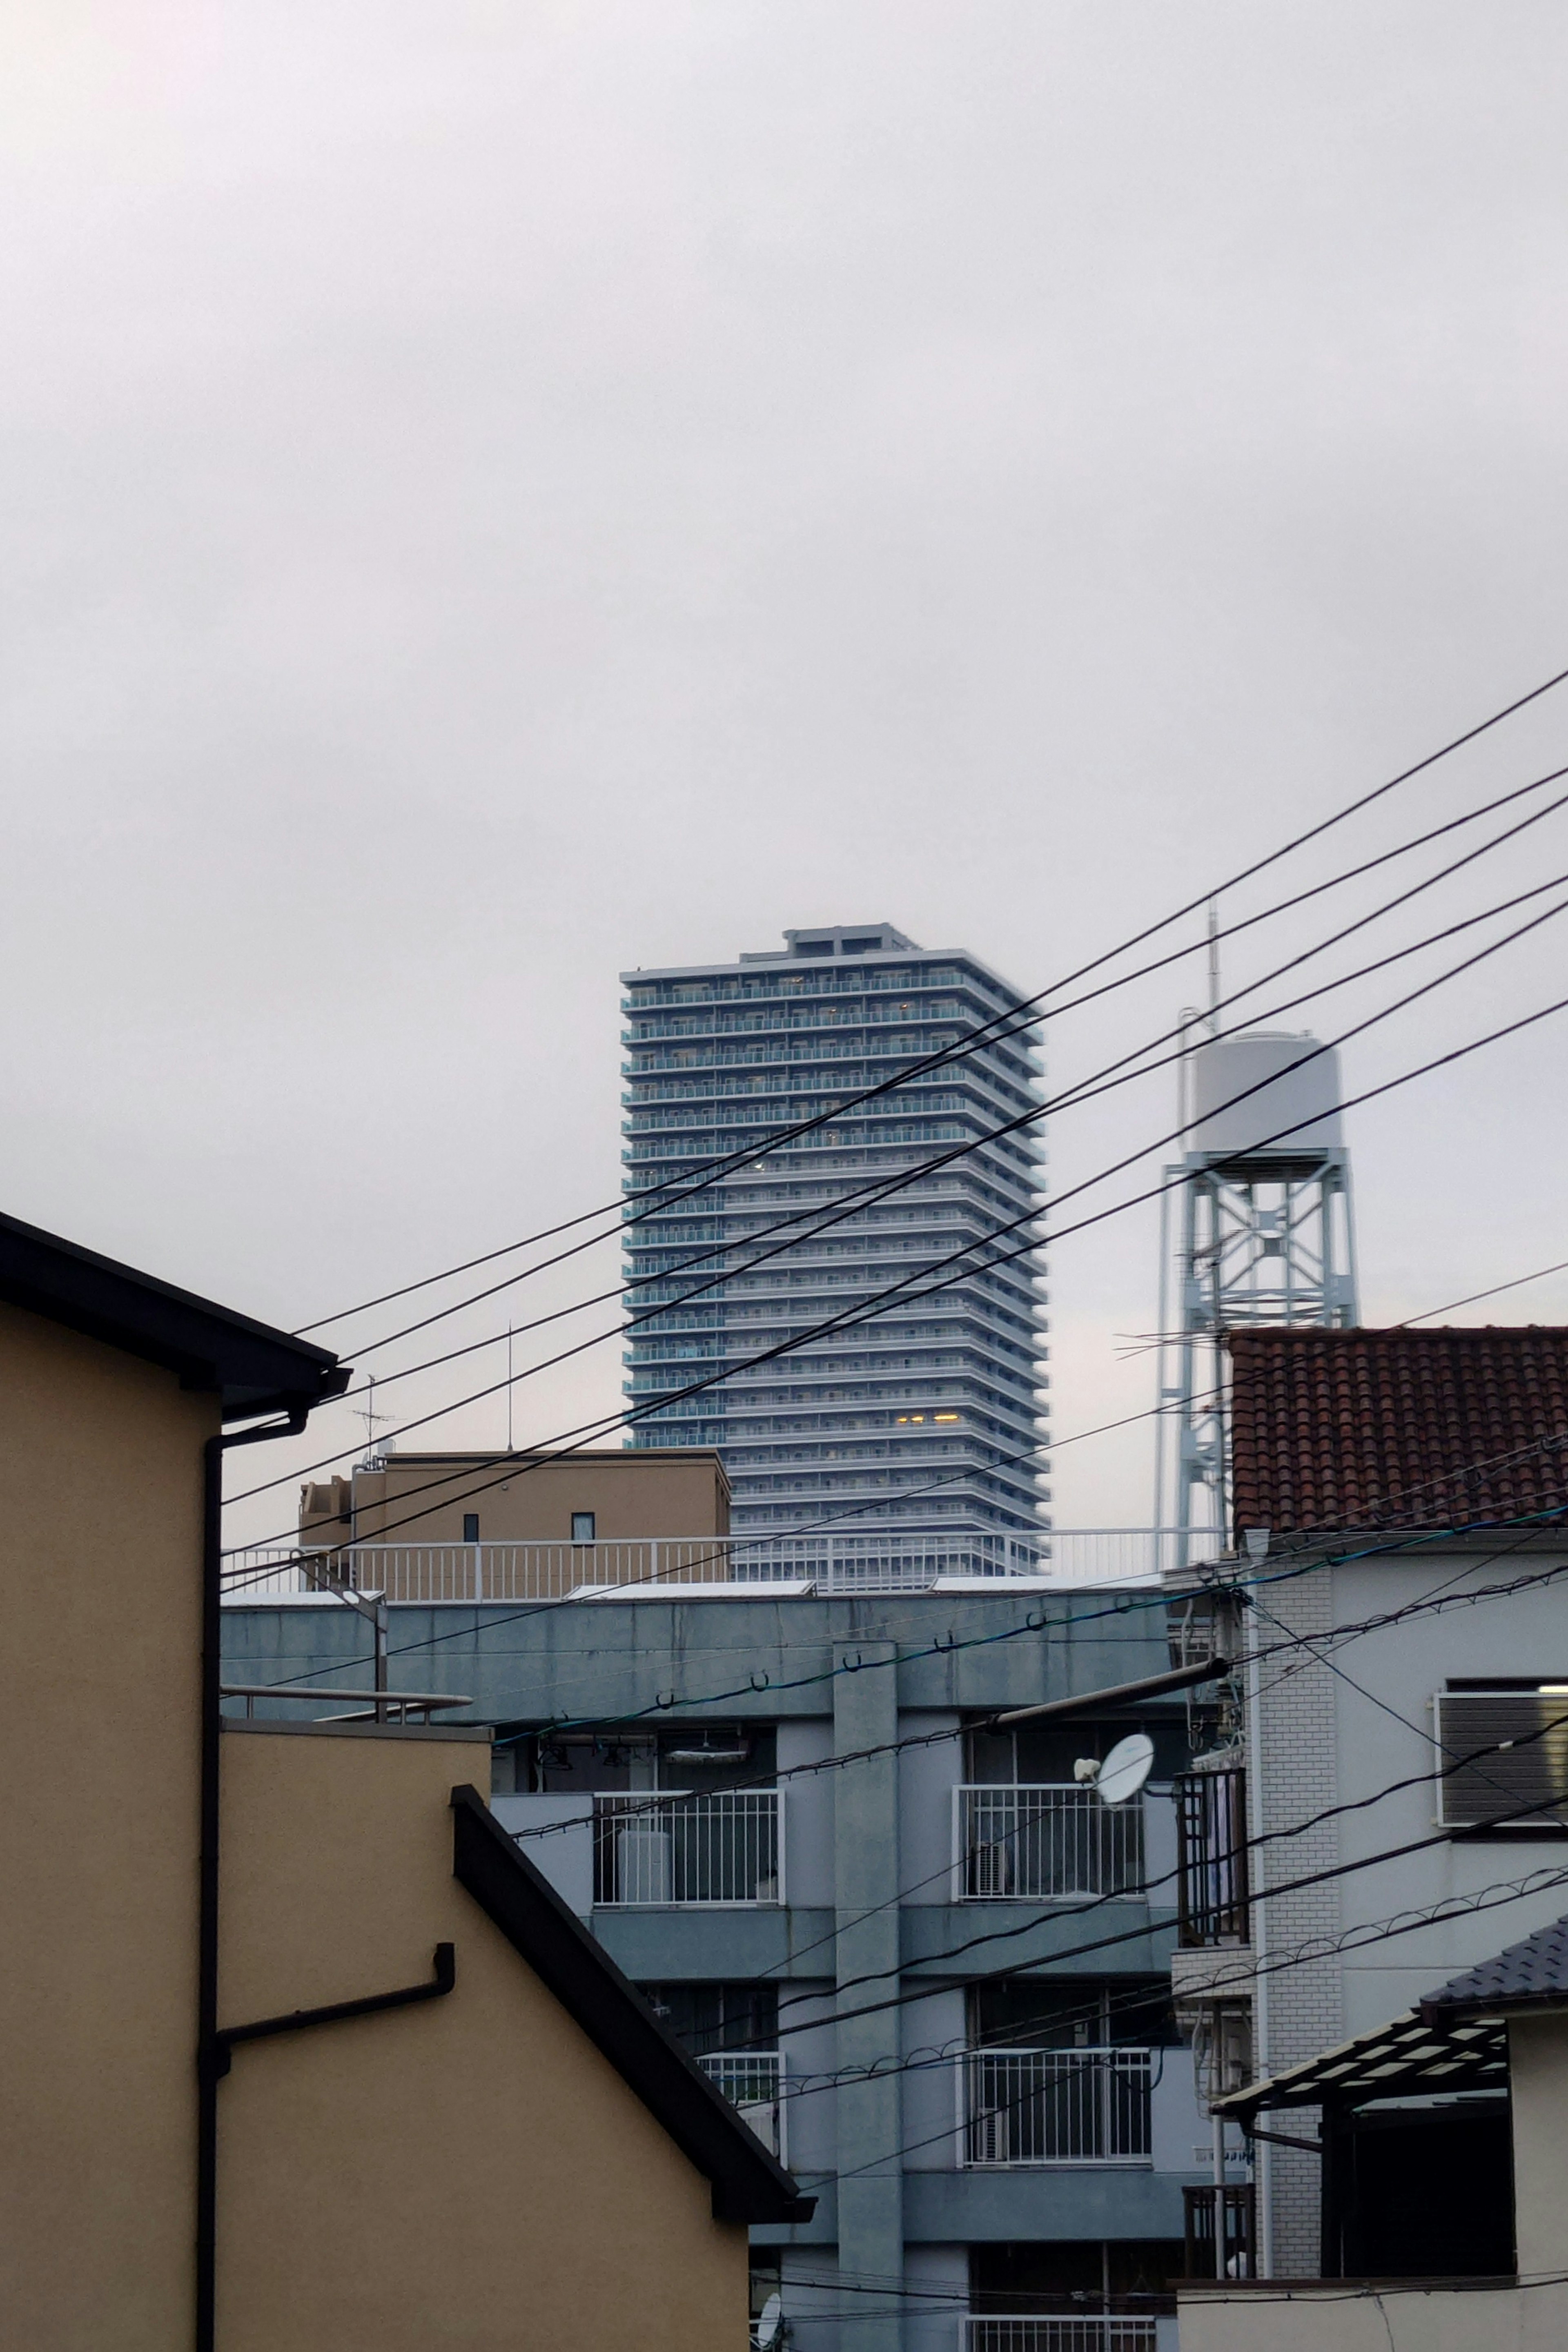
{"x": 443, "y": 1980}
{"x": 1284, "y": 2139}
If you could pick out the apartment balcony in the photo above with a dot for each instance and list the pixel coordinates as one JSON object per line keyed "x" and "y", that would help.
{"x": 721, "y": 1849}
{"x": 1056, "y": 2106}
{"x": 753, "y": 2081}
{"x": 1046, "y": 1843}
{"x": 1080, "y": 2332}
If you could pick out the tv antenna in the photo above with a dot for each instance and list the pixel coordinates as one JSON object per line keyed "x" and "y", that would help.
{"x": 369, "y": 1415}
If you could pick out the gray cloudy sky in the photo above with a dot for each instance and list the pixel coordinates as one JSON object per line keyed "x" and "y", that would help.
{"x": 498, "y": 493}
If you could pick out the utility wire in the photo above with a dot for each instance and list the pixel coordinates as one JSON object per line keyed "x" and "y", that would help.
{"x": 865, "y": 1309}
{"x": 847, "y": 1203}
{"x": 1245, "y": 874}
{"x": 1517, "y": 1283}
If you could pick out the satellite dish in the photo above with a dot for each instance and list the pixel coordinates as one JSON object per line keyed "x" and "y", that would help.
{"x": 770, "y": 2322}
{"x": 1126, "y": 1769}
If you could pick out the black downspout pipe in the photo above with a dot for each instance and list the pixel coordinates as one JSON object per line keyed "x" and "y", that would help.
{"x": 211, "y": 2058}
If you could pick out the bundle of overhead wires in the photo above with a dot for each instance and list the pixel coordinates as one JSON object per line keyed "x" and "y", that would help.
{"x": 1020, "y": 1236}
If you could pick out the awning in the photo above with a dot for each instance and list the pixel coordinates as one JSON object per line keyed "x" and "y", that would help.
{"x": 1405, "y": 2057}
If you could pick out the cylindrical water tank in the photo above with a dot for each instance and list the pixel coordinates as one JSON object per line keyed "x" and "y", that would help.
{"x": 1281, "y": 1090}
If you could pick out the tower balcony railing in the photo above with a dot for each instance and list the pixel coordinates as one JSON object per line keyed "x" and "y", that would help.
{"x": 1044, "y": 1842}
{"x": 719, "y": 1849}
{"x": 1056, "y": 2106}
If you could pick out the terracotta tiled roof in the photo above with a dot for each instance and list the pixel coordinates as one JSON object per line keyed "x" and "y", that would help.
{"x": 1402, "y": 1429}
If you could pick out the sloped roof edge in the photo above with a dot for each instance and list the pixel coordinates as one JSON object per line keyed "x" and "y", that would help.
{"x": 1533, "y": 1973}
{"x": 254, "y": 1368}
{"x": 748, "y": 2183}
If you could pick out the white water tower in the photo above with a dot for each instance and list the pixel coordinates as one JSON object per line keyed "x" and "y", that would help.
{"x": 1258, "y": 1229}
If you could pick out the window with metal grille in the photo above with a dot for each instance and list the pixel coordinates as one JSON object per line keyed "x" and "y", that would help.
{"x": 1211, "y": 1877}
{"x": 1502, "y": 1757}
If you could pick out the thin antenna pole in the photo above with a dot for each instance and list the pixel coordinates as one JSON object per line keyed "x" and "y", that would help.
{"x": 509, "y": 1388}
{"x": 1213, "y": 967}
{"x": 369, "y": 1415}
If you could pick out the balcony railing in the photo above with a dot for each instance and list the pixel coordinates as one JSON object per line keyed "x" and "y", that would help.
{"x": 723, "y": 1847}
{"x": 1081, "y": 2333}
{"x": 1211, "y": 1874}
{"x": 1044, "y": 1842}
{"x": 752, "y": 2080}
{"x": 898, "y": 1561}
{"x": 1221, "y": 2231}
{"x": 1056, "y": 2106}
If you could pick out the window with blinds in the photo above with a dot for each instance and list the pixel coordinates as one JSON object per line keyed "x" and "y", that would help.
{"x": 1502, "y": 1758}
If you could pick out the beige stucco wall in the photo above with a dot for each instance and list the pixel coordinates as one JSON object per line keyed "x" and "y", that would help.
{"x": 101, "y": 1473}
{"x": 1336, "y": 2317}
{"x": 669, "y": 1491}
{"x": 1538, "y": 2072}
{"x": 470, "y": 2173}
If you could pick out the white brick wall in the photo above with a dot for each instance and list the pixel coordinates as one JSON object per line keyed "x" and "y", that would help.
{"x": 1300, "y": 2010}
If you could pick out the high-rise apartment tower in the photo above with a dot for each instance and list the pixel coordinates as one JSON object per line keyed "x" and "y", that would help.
{"x": 924, "y": 1414}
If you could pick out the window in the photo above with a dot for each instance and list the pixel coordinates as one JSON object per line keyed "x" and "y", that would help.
{"x": 1211, "y": 1874}
{"x": 470, "y": 1527}
{"x": 583, "y": 1523}
{"x": 710, "y": 2018}
{"x": 1503, "y": 1755}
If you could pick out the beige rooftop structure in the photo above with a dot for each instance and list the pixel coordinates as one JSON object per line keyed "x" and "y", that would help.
{"x": 522, "y": 1497}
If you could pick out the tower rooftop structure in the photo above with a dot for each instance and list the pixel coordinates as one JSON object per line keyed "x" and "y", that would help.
{"x": 919, "y": 1414}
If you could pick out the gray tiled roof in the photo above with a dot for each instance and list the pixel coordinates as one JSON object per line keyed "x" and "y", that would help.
{"x": 1534, "y": 1969}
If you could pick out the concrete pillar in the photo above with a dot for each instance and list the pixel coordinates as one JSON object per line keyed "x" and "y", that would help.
{"x": 869, "y": 2113}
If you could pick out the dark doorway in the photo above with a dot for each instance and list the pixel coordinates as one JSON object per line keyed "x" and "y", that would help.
{"x": 1419, "y": 2193}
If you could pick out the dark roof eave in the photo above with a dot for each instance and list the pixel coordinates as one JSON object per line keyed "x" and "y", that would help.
{"x": 252, "y": 1367}
{"x": 748, "y": 2183}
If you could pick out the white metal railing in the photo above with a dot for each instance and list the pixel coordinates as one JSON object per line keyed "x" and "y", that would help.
{"x": 1118, "y": 1555}
{"x": 441, "y": 1572}
{"x": 753, "y": 2081}
{"x": 1087, "y": 2332}
{"x": 722, "y": 1847}
{"x": 1056, "y": 2106}
{"x": 1044, "y": 1842}
{"x": 483, "y": 1571}
{"x": 896, "y": 1560}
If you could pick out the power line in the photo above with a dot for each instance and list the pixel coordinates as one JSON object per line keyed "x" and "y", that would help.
{"x": 1151, "y": 931}
{"x": 1517, "y": 1283}
{"x": 1488, "y": 1899}
{"x": 865, "y": 1309}
{"x": 866, "y": 1195}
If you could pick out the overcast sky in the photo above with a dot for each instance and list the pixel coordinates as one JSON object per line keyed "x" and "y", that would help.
{"x": 499, "y": 493}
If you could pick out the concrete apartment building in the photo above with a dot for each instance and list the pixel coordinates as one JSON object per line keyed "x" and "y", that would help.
{"x": 299, "y": 2048}
{"x": 915, "y": 1420}
{"x": 1415, "y": 1774}
{"x": 930, "y": 1967}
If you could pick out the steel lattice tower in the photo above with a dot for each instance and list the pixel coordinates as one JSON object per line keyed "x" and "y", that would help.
{"x": 1256, "y": 1228}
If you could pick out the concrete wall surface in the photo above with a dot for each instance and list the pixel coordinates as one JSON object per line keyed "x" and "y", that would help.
{"x": 1538, "y": 2082}
{"x": 469, "y": 2173}
{"x": 630, "y": 1494}
{"x": 1340, "y": 2315}
{"x": 100, "y": 1509}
